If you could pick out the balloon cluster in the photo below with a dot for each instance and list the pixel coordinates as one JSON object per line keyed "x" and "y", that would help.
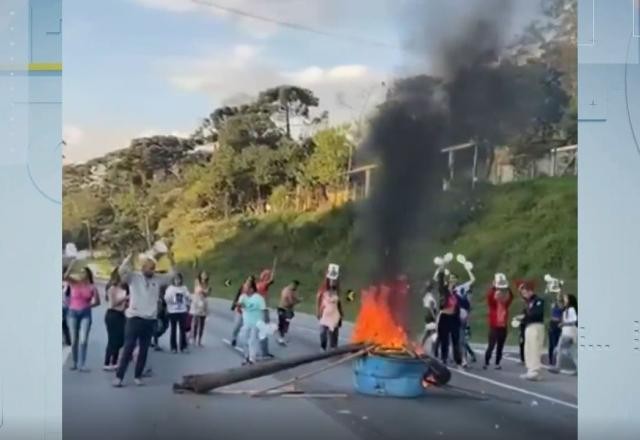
{"x": 444, "y": 261}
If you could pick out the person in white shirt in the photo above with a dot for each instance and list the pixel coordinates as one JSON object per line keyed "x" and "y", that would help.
{"x": 177, "y": 298}
{"x": 567, "y": 346}
{"x": 141, "y": 313}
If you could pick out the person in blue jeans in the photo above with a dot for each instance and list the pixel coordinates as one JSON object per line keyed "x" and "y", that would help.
{"x": 554, "y": 287}
{"x": 253, "y": 308}
{"x": 83, "y": 296}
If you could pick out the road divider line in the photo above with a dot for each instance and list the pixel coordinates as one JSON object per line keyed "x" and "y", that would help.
{"x": 509, "y": 357}
{"x": 517, "y": 389}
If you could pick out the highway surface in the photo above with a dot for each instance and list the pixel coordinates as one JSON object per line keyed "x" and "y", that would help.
{"x": 485, "y": 405}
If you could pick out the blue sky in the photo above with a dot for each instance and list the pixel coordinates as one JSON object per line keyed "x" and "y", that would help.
{"x": 140, "y": 67}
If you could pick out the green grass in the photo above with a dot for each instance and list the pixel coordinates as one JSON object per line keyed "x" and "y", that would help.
{"x": 522, "y": 229}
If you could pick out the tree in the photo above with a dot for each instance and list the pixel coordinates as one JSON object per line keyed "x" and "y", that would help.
{"x": 327, "y": 165}
{"x": 288, "y": 102}
{"x": 240, "y": 127}
{"x": 552, "y": 40}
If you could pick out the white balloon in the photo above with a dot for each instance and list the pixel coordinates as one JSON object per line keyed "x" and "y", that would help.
{"x": 461, "y": 259}
{"x": 70, "y": 250}
{"x": 438, "y": 261}
{"x": 468, "y": 265}
{"x": 448, "y": 257}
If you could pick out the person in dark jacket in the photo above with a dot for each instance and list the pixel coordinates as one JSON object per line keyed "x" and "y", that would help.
{"x": 533, "y": 321}
{"x": 448, "y": 320}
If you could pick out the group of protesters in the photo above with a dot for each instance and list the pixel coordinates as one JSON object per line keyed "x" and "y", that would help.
{"x": 143, "y": 305}
{"x": 252, "y": 326}
{"x": 448, "y": 309}
{"x": 140, "y": 307}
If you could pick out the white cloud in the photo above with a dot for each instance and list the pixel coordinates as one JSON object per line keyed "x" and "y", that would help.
{"x": 346, "y": 91}
{"x": 72, "y": 135}
{"x": 160, "y": 132}
{"x": 170, "y": 5}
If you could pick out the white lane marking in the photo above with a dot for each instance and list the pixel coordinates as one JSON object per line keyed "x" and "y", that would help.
{"x": 493, "y": 382}
{"x": 508, "y": 356}
{"x": 471, "y": 375}
{"x": 517, "y": 389}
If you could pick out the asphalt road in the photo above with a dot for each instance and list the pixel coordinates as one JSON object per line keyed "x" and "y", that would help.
{"x": 485, "y": 405}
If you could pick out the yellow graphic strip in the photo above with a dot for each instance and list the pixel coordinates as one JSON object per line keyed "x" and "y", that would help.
{"x": 45, "y": 67}
{"x": 32, "y": 67}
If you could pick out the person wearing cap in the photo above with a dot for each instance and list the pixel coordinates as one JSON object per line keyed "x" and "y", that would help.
{"x": 142, "y": 311}
{"x": 533, "y": 321}
{"x": 499, "y": 299}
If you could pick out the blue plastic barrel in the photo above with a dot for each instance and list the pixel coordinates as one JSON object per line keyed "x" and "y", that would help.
{"x": 375, "y": 375}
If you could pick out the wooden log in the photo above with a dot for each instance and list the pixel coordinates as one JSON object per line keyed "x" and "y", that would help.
{"x": 296, "y": 379}
{"x": 203, "y": 383}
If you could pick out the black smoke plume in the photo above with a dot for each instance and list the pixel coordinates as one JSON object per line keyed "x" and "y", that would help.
{"x": 423, "y": 114}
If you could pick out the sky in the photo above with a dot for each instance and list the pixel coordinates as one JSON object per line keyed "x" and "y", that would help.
{"x": 135, "y": 68}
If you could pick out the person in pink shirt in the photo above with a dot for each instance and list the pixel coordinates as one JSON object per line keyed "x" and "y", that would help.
{"x": 83, "y": 296}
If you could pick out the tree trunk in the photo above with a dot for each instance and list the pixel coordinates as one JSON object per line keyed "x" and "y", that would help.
{"x": 288, "y": 122}
{"x": 147, "y": 231}
{"x": 203, "y": 383}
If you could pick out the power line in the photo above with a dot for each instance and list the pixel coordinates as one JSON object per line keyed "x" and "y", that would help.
{"x": 296, "y": 26}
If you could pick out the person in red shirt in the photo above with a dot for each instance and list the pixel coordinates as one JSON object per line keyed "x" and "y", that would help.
{"x": 264, "y": 282}
{"x": 499, "y": 299}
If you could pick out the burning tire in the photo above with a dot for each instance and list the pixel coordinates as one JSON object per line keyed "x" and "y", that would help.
{"x": 437, "y": 374}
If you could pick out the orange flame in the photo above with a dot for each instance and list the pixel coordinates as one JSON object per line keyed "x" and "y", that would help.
{"x": 378, "y": 320}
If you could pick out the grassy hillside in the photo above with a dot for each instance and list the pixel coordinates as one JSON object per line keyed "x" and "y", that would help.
{"x": 524, "y": 229}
